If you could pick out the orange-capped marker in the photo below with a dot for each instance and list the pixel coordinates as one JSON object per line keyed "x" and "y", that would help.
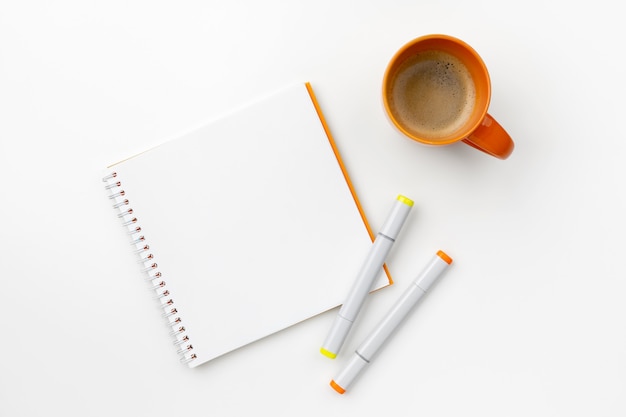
{"x": 366, "y": 351}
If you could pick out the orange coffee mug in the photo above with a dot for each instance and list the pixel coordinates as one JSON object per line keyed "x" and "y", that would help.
{"x": 436, "y": 90}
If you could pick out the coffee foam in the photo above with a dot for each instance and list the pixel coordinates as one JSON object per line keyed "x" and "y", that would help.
{"x": 433, "y": 94}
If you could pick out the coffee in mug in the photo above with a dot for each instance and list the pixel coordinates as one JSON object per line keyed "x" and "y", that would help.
{"x": 436, "y": 90}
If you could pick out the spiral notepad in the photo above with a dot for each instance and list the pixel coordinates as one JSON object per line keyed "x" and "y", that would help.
{"x": 244, "y": 226}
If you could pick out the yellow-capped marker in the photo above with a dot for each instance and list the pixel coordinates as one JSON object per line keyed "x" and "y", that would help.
{"x": 367, "y": 275}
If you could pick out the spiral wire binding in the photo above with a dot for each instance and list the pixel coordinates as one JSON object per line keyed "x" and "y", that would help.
{"x": 150, "y": 267}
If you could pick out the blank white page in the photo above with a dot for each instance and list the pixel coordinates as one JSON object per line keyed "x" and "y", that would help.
{"x": 251, "y": 222}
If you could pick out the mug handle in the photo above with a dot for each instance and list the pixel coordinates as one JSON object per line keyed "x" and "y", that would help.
{"x": 491, "y": 138}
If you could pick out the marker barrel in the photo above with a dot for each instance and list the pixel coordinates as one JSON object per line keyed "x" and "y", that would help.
{"x": 366, "y": 277}
{"x": 402, "y": 308}
{"x": 382, "y": 332}
{"x": 353, "y": 303}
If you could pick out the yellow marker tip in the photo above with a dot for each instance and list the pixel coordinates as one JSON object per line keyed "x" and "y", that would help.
{"x": 405, "y": 200}
{"x": 337, "y": 387}
{"x": 328, "y": 353}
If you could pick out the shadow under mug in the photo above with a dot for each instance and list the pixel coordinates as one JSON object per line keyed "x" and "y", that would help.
{"x": 412, "y": 77}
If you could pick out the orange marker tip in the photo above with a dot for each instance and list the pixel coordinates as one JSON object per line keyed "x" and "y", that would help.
{"x": 337, "y": 387}
{"x": 445, "y": 257}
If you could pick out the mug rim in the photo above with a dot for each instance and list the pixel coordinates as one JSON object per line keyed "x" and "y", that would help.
{"x": 393, "y": 64}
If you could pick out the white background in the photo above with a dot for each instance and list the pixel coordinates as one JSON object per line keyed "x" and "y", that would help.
{"x": 530, "y": 318}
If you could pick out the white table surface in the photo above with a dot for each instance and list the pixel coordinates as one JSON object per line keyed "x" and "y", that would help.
{"x": 529, "y": 320}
